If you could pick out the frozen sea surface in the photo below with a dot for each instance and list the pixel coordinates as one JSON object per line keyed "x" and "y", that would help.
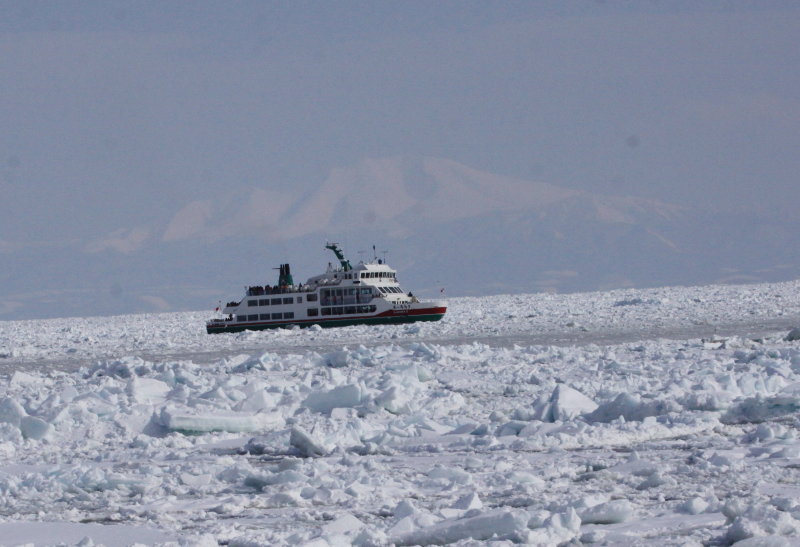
{"x": 637, "y": 417}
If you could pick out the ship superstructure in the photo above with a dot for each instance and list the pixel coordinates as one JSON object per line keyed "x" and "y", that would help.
{"x": 367, "y": 293}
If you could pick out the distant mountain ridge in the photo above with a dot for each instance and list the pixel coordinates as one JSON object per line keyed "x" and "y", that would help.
{"x": 397, "y": 193}
{"x": 446, "y": 226}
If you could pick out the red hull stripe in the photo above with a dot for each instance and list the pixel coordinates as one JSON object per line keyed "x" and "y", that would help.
{"x": 329, "y": 318}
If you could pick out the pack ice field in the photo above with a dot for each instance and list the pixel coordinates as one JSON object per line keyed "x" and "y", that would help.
{"x": 637, "y": 417}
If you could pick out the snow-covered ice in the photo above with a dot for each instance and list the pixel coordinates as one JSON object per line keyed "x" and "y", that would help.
{"x": 662, "y": 416}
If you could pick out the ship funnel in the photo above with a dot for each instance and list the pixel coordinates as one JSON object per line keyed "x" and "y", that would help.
{"x": 285, "y": 276}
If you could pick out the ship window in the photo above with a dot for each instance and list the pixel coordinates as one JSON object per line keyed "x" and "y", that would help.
{"x": 276, "y": 301}
{"x": 350, "y": 309}
{"x": 366, "y": 290}
{"x": 288, "y": 300}
{"x": 311, "y": 297}
{"x": 373, "y": 308}
{"x": 299, "y": 299}
{"x": 252, "y": 317}
{"x": 241, "y": 318}
{"x": 338, "y": 292}
{"x": 277, "y": 316}
{"x": 326, "y": 311}
{"x": 312, "y": 312}
{"x": 264, "y": 317}
{"x": 252, "y": 302}
{"x": 288, "y": 315}
{"x": 383, "y": 289}
{"x": 263, "y": 302}
{"x": 337, "y": 311}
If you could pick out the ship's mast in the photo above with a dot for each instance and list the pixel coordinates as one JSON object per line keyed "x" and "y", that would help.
{"x": 338, "y": 252}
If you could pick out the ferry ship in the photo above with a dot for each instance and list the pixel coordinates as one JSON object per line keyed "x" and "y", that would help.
{"x": 367, "y": 293}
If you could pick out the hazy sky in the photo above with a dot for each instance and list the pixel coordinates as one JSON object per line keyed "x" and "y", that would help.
{"x": 114, "y": 113}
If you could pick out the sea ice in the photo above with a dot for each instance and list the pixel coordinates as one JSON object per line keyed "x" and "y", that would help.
{"x": 565, "y": 403}
{"x": 671, "y": 419}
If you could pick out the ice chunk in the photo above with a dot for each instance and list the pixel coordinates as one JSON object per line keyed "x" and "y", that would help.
{"x": 147, "y": 390}
{"x": 10, "y": 433}
{"x": 305, "y": 443}
{"x": 759, "y": 520}
{"x": 468, "y": 501}
{"x": 607, "y": 513}
{"x": 632, "y": 408}
{"x": 693, "y": 506}
{"x": 337, "y": 359}
{"x": 759, "y": 408}
{"x": 340, "y": 397}
{"x": 456, "y": 476}
{"x": 565, "y": 403}
{"x": 402, "y": 390}
{"x": 525, "y": 477}
{"x": 187, "y": 422}
{"x": 260, "y": 400}
{"x": 557, "y": 529}
{"x": 793, "y": 335}
{"x": 20, "y": 378}
{"x": 501, "y": 524}
{"x": 345, "y": 525}
{"x": 11, "y": 411}
{"x": 404, "y": 509}
{"x": 35, "y": 428}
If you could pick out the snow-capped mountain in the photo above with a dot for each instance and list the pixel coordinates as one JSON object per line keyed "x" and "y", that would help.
{"x": 445, "y": 225}
{"x": 397, "y": 195}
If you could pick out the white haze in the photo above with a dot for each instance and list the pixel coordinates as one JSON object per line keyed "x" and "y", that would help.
{"x": 149, "y": 146}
